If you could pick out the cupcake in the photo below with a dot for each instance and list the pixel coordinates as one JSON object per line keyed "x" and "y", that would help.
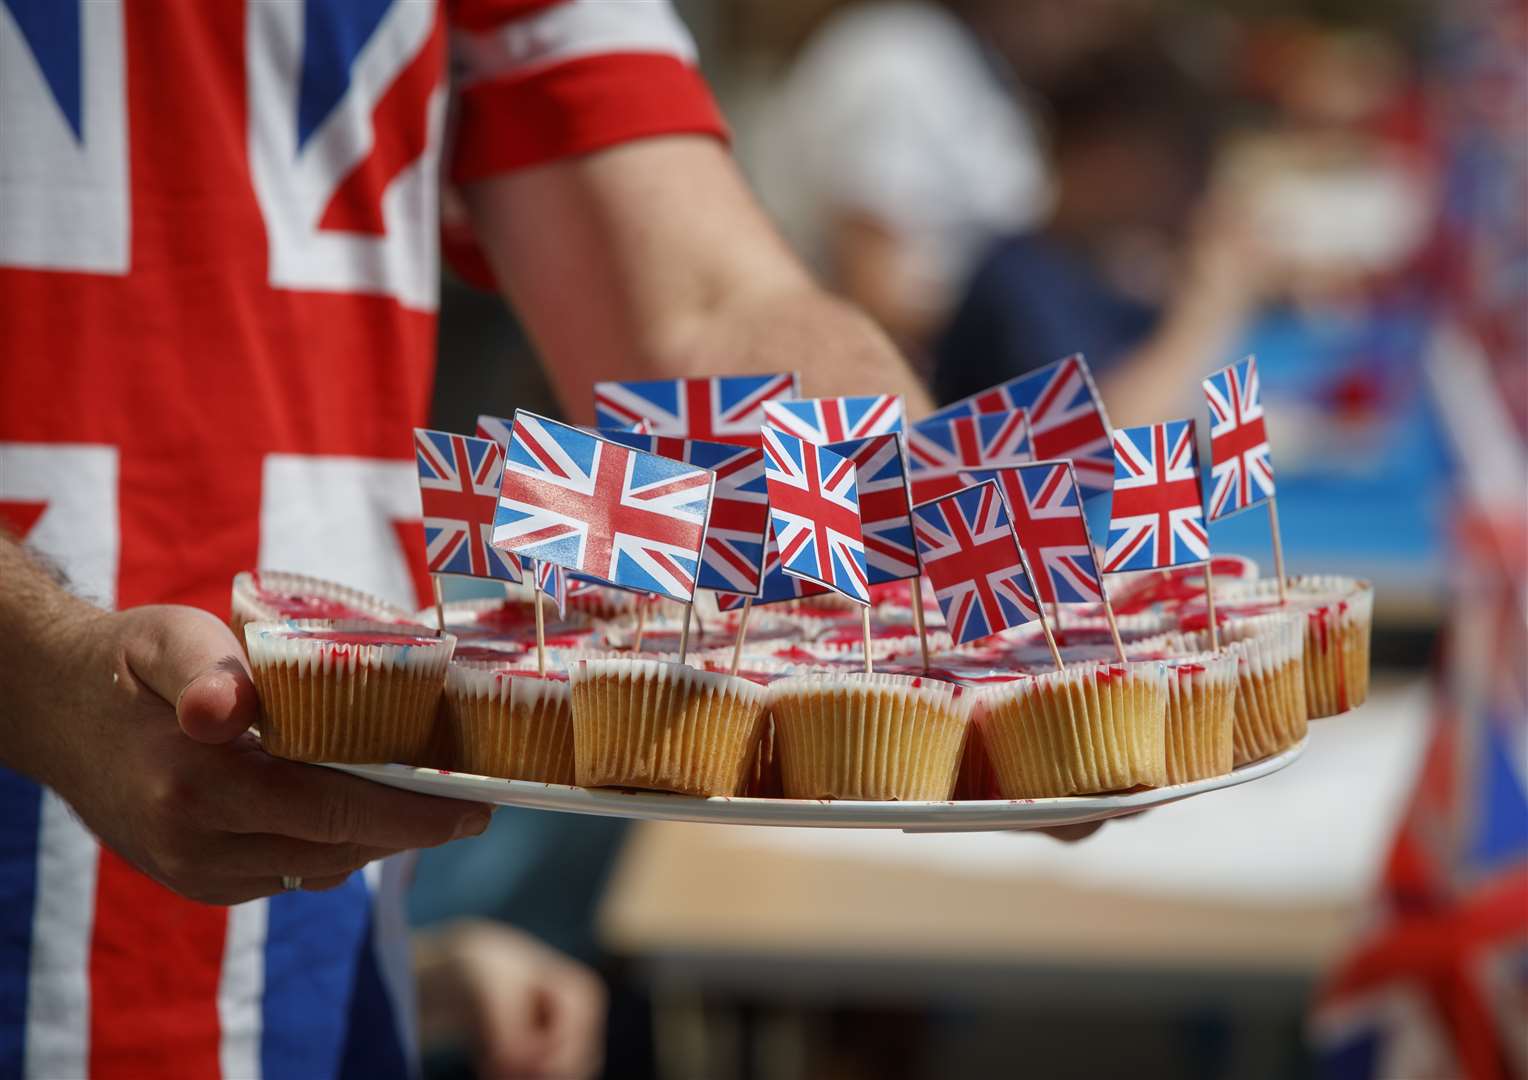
{"x": 504, "y": 721}
{"x": 1270, "y": 704}
{"x": 1091, "y": 728}
{"x": 669, "y": 727}
{"x": 858, "y": 736}
{"x": 1338, "y": 615}
{"x": 1201, "y": 716}
{"x": 273, "y": 595}
{"x": 351, "y": 692}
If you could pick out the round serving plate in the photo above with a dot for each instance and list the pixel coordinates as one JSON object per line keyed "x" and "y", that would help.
{"x": 950, "y": 816}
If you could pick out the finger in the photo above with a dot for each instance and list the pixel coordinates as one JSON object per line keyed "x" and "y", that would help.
{"x": 266, "y": 794}
{"x": 193, "y": 661}
{"x": 262, "y": 856}
{"x": 1071, "y": 834}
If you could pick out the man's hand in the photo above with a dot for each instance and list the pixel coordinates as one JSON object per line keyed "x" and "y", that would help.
{"x": 140, "y": 721}
{"x": 527, "y": 1010}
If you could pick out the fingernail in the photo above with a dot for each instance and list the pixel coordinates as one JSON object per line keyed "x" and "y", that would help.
{"x": 473, "y": 824}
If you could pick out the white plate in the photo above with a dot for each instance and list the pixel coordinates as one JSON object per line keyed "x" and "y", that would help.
{"x": 966, "y": 816}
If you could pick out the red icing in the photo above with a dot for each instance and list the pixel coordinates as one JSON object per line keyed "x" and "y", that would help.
{"x": 364, "y": 637}
{"x": 485, "y": 652}
{"x": 530, "y": 673}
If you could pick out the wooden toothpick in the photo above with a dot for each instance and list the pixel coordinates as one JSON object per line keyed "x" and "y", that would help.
{"x": 684, "y": 633}
{"x": 540, "y": 624}
{"x": 1278, "y": 548}
{"x": 865, "y": 622}
{"x": 918, "y": 619}
{"x": 1209, "y": 600}
{"x": 1114, "y": 627}
{"x": 742, "y": 632}
{"x": 440, "y": 607}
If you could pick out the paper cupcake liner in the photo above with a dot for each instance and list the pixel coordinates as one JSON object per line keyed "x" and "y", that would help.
{"x": 1339, "y": 614}
{"x": 976, "y": 779}
{"x": 762, "y": 779}
{"x": 509, "y": 723}
{"x": 1270, "y": 706}
{"x": 332, "y": 701}
{"x": 249, "y": 606}
{"x": 869, "y": 736}
{"x": 1201, "y": 716}
{"x": 670, "y": 727}
{"x": 1078, "y": 732}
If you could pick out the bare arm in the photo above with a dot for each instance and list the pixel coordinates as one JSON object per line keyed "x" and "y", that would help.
{"x": 653, "y": 260}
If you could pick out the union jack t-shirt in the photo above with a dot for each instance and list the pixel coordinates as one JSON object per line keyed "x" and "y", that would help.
{"x": 218, "y": 273}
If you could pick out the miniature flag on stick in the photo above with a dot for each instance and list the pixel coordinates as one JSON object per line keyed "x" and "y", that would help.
{"x": 974, "y": 562}
{"x": 886, "y": 524}
{"x": 1066, "y": 417}
{"x": 938, "y": 451}
{"x": 777, "y": 586}
{"x": 587, "y": 504}
{"x": 1043, "y": 503}
{"x": 718, "y": 408}
{"x": 733, "y": 559}
{"x": 814, "y": 510}
{"x": 458, "y": 492}
{"x": 1157, "y": 517}
{"x": 837, "y": 419}
{"x": 1241, "y": 467}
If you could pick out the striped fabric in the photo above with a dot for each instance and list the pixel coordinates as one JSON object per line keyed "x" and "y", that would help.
{"x": 251, "y": 185}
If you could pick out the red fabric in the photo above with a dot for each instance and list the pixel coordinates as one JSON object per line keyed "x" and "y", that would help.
{"x": 578, "y": 107}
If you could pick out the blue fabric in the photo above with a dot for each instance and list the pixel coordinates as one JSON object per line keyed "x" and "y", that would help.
{"x": 542, "y": 872}
{"x": 372, "y": 1048}
{"x": 334, "y": 32}
{"x": 1031, "y": 302}
{"x": 314, "y": 947}
{"x": 20, "y": 816}
{"x": 51, "y": 29}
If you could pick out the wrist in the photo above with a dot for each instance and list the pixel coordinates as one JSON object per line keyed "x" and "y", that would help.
{"x": 46, "y": 635}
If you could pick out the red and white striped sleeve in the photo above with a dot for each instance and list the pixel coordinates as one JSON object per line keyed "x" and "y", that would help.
{"x": 540, "y": 80}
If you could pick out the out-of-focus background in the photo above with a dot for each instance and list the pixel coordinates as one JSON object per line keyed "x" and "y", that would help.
{"x": 1337, "y": 186}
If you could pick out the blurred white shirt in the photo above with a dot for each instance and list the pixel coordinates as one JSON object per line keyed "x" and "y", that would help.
{"x": 896, "y": 110}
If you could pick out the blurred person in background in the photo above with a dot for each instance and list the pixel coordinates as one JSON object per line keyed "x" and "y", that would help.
{"x": 1139, "y": 265}
{"x": 902, "y": 141}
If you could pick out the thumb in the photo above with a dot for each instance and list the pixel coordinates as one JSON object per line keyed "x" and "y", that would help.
{"x": 192, "y": 660}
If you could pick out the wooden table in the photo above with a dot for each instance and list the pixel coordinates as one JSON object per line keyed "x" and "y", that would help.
{"x": 712, "y": 912}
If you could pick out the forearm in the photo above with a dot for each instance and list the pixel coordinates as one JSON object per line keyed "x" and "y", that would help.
{"x": 1158, "y": 379}
{"x": 39, "y": 619}
{"x": 652, "y": 260}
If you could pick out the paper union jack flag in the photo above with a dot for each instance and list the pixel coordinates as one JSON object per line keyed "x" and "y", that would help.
{"x": 1041, "y": 499}
{"x": 836, "y": 419}
{"x": 718, "y": 408}
{"x": 553, "y": 580}
{"x": 777, "y": 585}
{"x": 1157, "y": 519}
{"x": 938, "y": 451}
{"x": 1066, "y": 417}
{"x": 886, "y": 523}
{"x": 1241, "y": 471}
{"x": 814, "y": 509}
{"x": 458, "y": 490}
{"x": 733, "y": 559}
{"x": 587, "y": 504}
{"x": 972, "y": 559}
{"x": 498, "y": 429}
